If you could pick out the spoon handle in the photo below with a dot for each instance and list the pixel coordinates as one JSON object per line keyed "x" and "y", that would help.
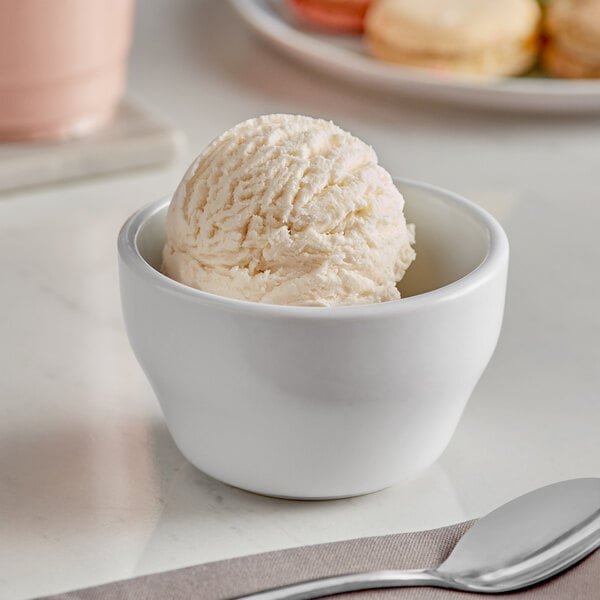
{"x": 328, "y": 586}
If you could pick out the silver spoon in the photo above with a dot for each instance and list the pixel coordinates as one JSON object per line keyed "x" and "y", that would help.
{"x": 517, "y": 545}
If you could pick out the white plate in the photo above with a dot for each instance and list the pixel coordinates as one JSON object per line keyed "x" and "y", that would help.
{"x": 344, "y": 57}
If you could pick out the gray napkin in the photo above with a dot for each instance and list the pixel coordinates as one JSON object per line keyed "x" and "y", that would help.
{"x": 230, "y": 578}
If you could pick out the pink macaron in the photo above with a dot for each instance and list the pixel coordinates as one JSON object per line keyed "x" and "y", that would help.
{"x": 333, "y": 15}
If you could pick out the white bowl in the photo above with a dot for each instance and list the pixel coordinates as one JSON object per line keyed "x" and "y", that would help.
{"x": 307, "y": 402}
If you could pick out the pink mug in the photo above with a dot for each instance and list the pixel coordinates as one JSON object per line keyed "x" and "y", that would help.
{"x": 62, "y": 65}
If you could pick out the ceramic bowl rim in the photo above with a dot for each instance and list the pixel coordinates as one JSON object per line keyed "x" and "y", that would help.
{"x": 492, "y": 263}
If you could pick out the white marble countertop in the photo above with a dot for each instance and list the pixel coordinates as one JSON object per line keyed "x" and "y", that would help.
{"x": 92, "y": 488}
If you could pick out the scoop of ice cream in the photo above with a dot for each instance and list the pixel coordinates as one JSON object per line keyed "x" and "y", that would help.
{"x": 287, "y": 209}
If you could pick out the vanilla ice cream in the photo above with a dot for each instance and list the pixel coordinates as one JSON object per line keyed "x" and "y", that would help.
{"x": 287, "y": 209}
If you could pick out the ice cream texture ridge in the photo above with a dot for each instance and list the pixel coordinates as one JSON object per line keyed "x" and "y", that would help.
{"x": 288, "y": 209}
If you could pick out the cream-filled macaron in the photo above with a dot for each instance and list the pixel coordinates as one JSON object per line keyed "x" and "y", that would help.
{"x": 573, "y": 30}
{"x": 479, "y": 37}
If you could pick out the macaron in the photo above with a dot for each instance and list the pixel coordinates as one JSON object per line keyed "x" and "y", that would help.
{"x": 477, "y": 37}
{"x": 573, "y": 32}
{"x": 334, "y": 15}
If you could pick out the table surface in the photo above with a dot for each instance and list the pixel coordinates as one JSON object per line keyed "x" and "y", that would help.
{"x": 93, "y": 489}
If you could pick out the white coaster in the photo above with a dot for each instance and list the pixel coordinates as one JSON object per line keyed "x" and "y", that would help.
{"x": 134, "y": 138}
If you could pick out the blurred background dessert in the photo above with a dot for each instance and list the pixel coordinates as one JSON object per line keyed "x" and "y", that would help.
{"x": 62, "y": 65}
{"x": 573, "y": 39}
{"x": 63, "y": 110}
{"x": 336, "y": 15}
{"x": 479, "y": 37}
{"x": 489, "y": 38}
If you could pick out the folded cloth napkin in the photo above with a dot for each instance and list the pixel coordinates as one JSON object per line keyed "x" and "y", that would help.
{"x": 235, "y": 577}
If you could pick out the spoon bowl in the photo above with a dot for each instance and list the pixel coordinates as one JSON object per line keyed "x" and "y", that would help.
{"x": 528, "y": 539}
{"x": 524, "y": 542}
